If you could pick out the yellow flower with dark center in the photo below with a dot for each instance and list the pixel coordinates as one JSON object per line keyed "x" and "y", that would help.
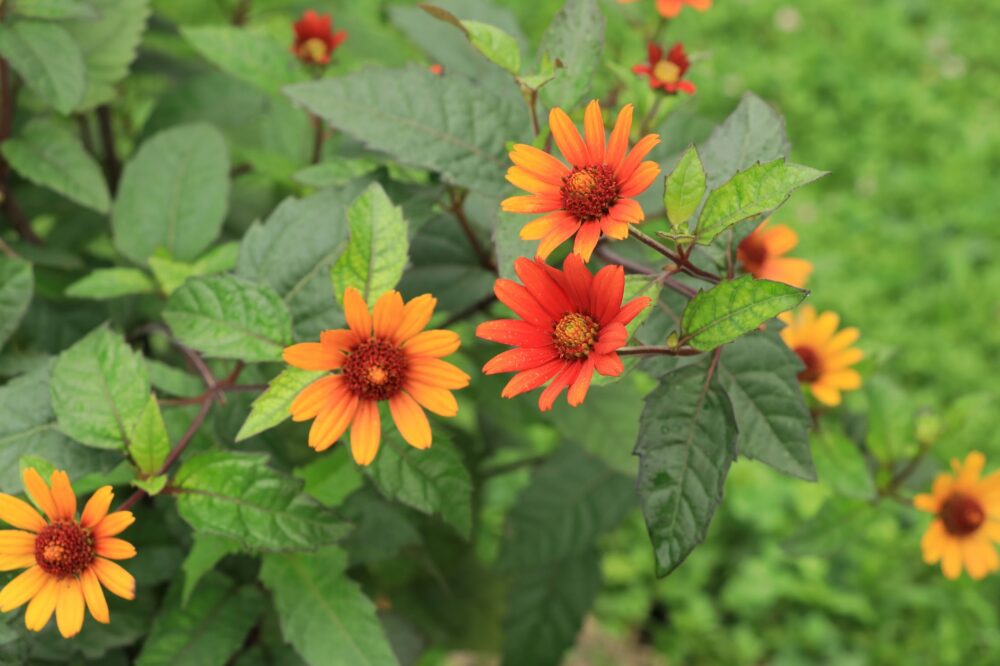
{"x": 966, "y": 522}
{"x": 826, "y": 353}
{"x": 67, "y": 561}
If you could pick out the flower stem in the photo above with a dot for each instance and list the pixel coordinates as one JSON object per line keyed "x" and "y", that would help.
{"x": 656, "y": 350}
{"x": 683, "y": 263}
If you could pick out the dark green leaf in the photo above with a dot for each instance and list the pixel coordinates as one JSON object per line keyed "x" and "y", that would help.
{"x": 49, "y": 61}
{"x": 753, "y": 133}
{"x": 575, "y": 38}
{"x": 206, "y": 552}
{"x": 249, "y": 55}
{"x": 17, "y": 283}
{"x": 330, "y": 478}
{"x": 685, "y": 187}
{"x": 271, "y": 407}
{"x": 106, "y": 283}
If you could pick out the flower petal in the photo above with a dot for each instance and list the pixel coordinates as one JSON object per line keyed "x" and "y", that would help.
{"x": 529, "y": 182}
{"x": 578, "y": 390}
{"x": 566, "y": 376}
{"x": 641, "y": 178}
{"x": 331, "y": 423}
{"x": 416, "y": 314}
{"x": 16, "y": 542}
{"x": 540, "y": 283}
{"x": 20, "y": 514}
{"x": 63, "y": 495}
{"x": 607, "y": 293}
{"x": 520, "y": 300}
{"x": 42, "y": 605}
{"x": 410, "y": 420}
{"x": 586, "y": 239}
{"x": 313, "y": 356}
{"x": 112, "y": 524}
{"x": 435, "y": 343}
{"x": 387, "y": 314}
{"x": 39, "y": 492}
{"x": 557, "y": 237}
{"x": 113, "y": 577}
{"x": 366, "y": 432}
{"x": 114, "y": 549}
{"x": 618, "y": 143}
{"x": 97, "y": 506}
{"x": 532, "y": 203}
{"x": 23, "y": 587}
{"x": 356, "y": 313}
{"x": 568, "y": 138}
{"x": 527, "y": 380}
{"x": 514, "y": 332}
{"x": 539, "y": 163}
{"x": 94, "y": 596}
{"x": 631, "y": 162}
{"x": 609, "y": 365}
{"x": 436, "y": 400}
{"x": 435, "y": 372}
{"x": 518, "y": 359}
{"x": 69, "y": 607}
{"x": 593, "y": 129}
{"x": 318, "y": 396}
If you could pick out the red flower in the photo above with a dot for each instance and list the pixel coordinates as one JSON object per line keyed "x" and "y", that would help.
{"x": 436, "y": 68}
{"x": 667, "y": 73}
{"x": 571, "y": 324}
{"x": 315, "y": 40}
{"x": 671, "y": 8}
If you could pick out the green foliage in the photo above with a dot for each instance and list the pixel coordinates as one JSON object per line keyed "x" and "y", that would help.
{"x": 249, "y": 55}
{"x": 54, "y": 9}
{"x": 16, "y": 287}
{"x": 754, "y": 132}
{"x": 48, "y": 60}
{"x": 498, "y": 46}
{"x": 149, "y": 444}
{"x": 575, "y": 38}
{"x": 106, "y": 283}
{"x": 685, "y": 187}
{"x": 206, "y": 552}
{"x": 271, "y": 407}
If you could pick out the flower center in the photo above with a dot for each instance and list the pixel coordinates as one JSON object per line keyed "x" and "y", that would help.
{"x": 962, "y": 515}
{"x": 64, "y": 549}
{"x": 588, "y": 193}
{"x": 313, "y": 49}
{"x": 667, "y": 72}
{"x": 575, "y": 335}
{"x": 752, "y": 253}
{"x": 375, "y": 370}
{"x": 814, "y": 364}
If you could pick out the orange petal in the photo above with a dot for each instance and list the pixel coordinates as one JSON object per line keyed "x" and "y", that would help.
{"x": 387, "y": 314}
{"x": 567, "y": 138}
{"x": 20, "y": 514}
{"x": 411, "y": 421}
{"x": 778, "y": 239}
{"x": 366, "y": 431}
{"x": 340, "y": 339}
{"x": 557, "y": 237}
{"x": 313, "y": 356}
{"x": 593, "y": 129}
{"x": 94, "y": 596}
{"x": 559, "y": 383}
{"x": 69, "y": 607}
{"x": 331, "y": 423}
{"x": 627, "y": 210}
{"x": 435, "y": 372}
{"x": 97, "y": 506}
{"x": 117, "y": 581}
{"x": 114, "y": 549}
{"x": 635, "y": 157}
{"x": 542, "y": 226}
{"x": 39, "y": 492}
{"x": 586, "y": 239}
{"x": 539, "y": 163}
{"x": 63, "y": 495}
{"x": 640, "y": 179}
{"x": 16, "y": 542}
{"x": 520, "y": 358}
{"x": 578, "y": 390}
{"x": 416, "y": 315}
{"x": 436, "y": 400}
{"x": 435, "y": 343}
{"x": 532, "y": 203}
{"x": 532, "y": 378}
{"x": 112, "y": 524}
{"x": 669, "y": 8}
{"x": 527, "y": 181}
{"x": 15, "y": 562}
{"x": 42, "y": 605}
{"x": 618, "y": 143}
{"x": 22, "y": 588}
{"x": 317, "y": 396}
{"x": 356, "y": 313}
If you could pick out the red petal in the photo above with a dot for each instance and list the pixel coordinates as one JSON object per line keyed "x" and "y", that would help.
{"x": 540, "y": 284}
{"x": 631, "y": 309}
{"x": 578, "y": 391}
{"x": 579, "y": 282}
{"x": 518, "y": 359}
{"x": 558, "y": 385}
{"x": 518, "y": 299}
{"x": 609, "y": 365}
{"x": 527, "y": 380}
{"x": 606, "y": 294}
{"x": 613, "y": 337}
{"x": 514, "y": 332}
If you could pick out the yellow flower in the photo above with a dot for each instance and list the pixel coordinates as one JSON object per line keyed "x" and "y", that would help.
{"x": 66, "y": 560}
{"x": 967, "y": 519}
{"x": 826, "y": 353}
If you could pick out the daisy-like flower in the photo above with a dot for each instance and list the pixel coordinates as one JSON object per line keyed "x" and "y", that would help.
{"x": 66, "y": 560}
{"x": 966, "y": 522}
{"x": 385, "y": 355}
{"x": 671, "y": 8}
{"x": 826, "y": 353}
{"x": 315, "y": 40}
{"x": 590, "y": 197}
{"x": 571, "y": 324}
{"x": 666, "y": 71}
{"x": 762, "y": 255}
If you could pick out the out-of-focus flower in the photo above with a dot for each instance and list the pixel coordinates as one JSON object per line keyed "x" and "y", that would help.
{"x": 666, "y": 72}
{"x": 315, "y": 40}
{"x": 590, "y": 198}
{"x": 671, "y": 8}
{"x": 762, "y": 255}
{"x": 826, "y": 353}
{"x": 436, "y": 68}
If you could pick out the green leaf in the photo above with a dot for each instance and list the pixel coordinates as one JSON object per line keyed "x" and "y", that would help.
{"x": 100, "y": 389}
{"x": 752, "y": 133}
{"x": 498, "y": 46}
{"x": 432, "y": 481}
{"x": 237, "y": 496}
{"x": 17, "y": 283}
{"x": 759, "y": 189}
{"x": 173, "y": 381}
{"x": 53, "y": 10}
{"x": 271, "y": 407}
{"x": 335, "y": 171}
{"x": 635, "y": 286}
{"x": 442, "y": 123}
{"x": 173, "y": 194}
{"x": 109, "y": 46}
{"x": 508, "y": 243}
{"x": 323, "y": 613}
{"x": 49, "y": 155}
{"x": 377, "y": 252}
{"x": 576, "y": 39}
{"x": 687, "y": 442}
{"x": 837, "y": 524}
{"x": 248, "y": 55}
{"x": 330, "y": 478}
{"x": 760, "y": 374}
{"x": 206, "y": 631}
{"x": 734, "y": 307}
{"x": 381, "y": 529}
{"x": 206, "y": 552}
{"x": 223, "y": 316}
{"x": 107, "y": 283}
{"x": 685, "y": 187}
{"x": 49, "y": 61}
{"x": 172, "y": 274}
{"x": 152, "y": 485}
{"x": 150, "y": 444}
{"x": 840, "y": 464}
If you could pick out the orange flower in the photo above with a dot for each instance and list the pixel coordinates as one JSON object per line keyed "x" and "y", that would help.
{"x": 671, "y": 8}
{"x": 66, "y": 560}
{"x": 761, "y": 254}
{"x": 967, "y": 519}
{"x": 571, "y": 325}
{"x": 591, "y": 198}
{"x": 666, "y": 72}
{"x": 383, "y": 356}
{"x": 826, "y": 354}
{"x": 315, "y": 40}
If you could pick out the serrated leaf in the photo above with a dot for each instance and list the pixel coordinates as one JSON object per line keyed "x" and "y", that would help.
{"x": 173, "y": 194}
{"x": 107, "y": 283}
{"x": 433, "y": 481}
{"x": 733, "y": 308}
{"x": 248, "y": 55}
{"x": 576, "y": 39}
{"x": 150, "y": 445}
{"x": 377, "y": 252}
{"x": 687, "y": 442}
{"x": 53, "y": 10}
{"x": 48, "y": 59}
{"x": 109, "y": 46}
{"x": 332, "y": 477}
{"x": 17, "y": 284}
{"x": 840, "y": 464}
{"x": 441, "y": 123}
{"x": 206, "y": 551}
{"x": 171, "y": 274}
{"x": 49, "y": 155}
{"x": 237, "y": 496}
{"x": 759, "y": 372}
{"x": 753, "y": 132}
{"x": 323, "y": 613}
{"x": 99, "y": 390}
{"x": 208, "y": 630}
{"x": 223, "y": 316}
{"x": 685, "y": 187}
{"x": 759, "y": 189}
{"x": 271, "y": 407}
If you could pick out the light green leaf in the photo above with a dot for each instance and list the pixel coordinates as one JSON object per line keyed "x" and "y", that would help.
{"x": 432, "y": 481}
{"x": 150, "y": 444}
{"x": 237, "y": 496}
{"x": 442, "y": 123}
{"x": 247, "y": 54}
{"x": 576, "y": 39}
{"x": 48, "y": 154}
{"x": 687, "y": 442}
{"x": 323, "y": 613}
{"x": 223, "y": 316}
{"x": 100, "y": 389}
{"x": 48, "y": 59}
{"x": 53, "y": 10}
{"x": 335, "y": 171}
{"x": 377, "y": 252}
{"x": 752, "y": 133}
{"x": 206, "y": 552}
{"x": 733, "y": 308}
{"x": 173, "y": 194}
{"x": 172, "y": 380}
{"x": 107, "y": 283}
{"x": 152, "y": 485}
{"x": 498, "y": 46}
{"x": 17, "y": 283}
{"x": 171, "y": 274}
{"x": 685, "y": 187}
{"x": 840, "y": 464}
{"x": 330, "y": 478}
{"x": 271, "y": 407}
{"x": 208, "y": 630}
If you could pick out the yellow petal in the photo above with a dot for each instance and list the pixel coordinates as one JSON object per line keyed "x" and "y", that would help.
{"x": 39, "y": 492}
{"x": 435, "y": 343}
{"x": 42, "y": 605}
{"x": 113, "y": 523}
{"x": 366, "y": 431}
{"x": 97, "y": 506}
{"x": 19, "y": 513}
{"x": 94, "y": 596}
{"x": 435, "y": 372}
{"x": 437, "y": 400}
{"x": 22, "y": 588}
{"x": 118, "y": 581}
{"x": 114, "y": 549}
{"x": 416, "y": 315}
{"x": 69, "y": 607}
{"x": 16, "y": 542}
{"x": 63, "y": 495}
{"x": 410, "y": 420}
